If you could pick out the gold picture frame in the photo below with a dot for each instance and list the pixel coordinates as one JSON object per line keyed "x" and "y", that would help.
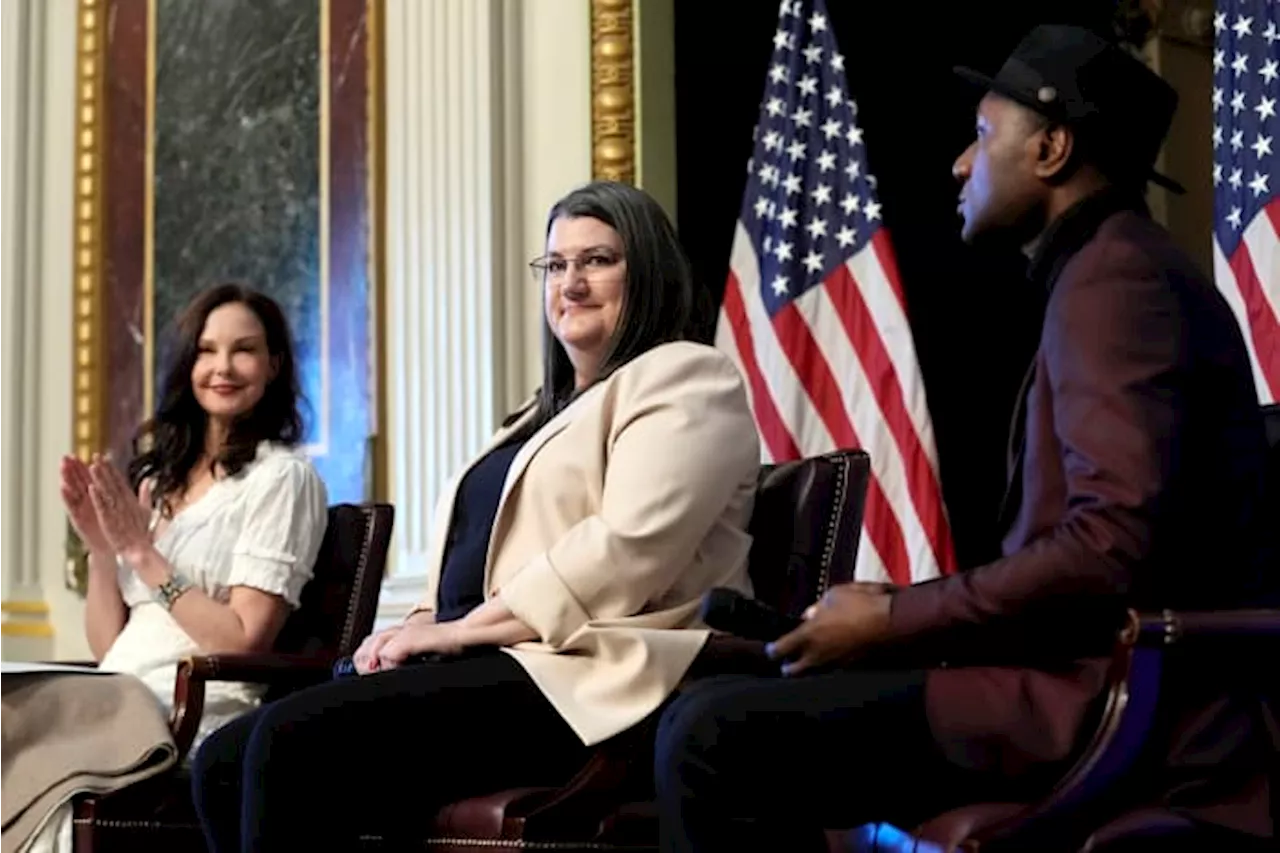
{"x": 613, "y": 91}
{"x": 115, "y": 160}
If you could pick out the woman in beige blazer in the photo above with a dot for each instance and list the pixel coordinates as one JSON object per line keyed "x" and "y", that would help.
{"x": 569, "y": 562}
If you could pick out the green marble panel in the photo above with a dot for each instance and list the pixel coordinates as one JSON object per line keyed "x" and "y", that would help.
{"x": 237, "y": 160}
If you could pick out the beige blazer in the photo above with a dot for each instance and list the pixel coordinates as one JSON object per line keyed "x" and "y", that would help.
{"x": 614, "y": 519}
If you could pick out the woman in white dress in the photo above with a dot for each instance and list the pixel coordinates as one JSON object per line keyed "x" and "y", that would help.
{"x": 207, "y": 545}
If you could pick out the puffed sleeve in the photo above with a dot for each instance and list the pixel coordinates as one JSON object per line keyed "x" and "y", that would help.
{"x": 285, "y": 514}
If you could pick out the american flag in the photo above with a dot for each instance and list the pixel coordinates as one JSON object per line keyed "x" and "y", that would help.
{"x": 814, "y": 312}
{"x": 1246, "y": 235}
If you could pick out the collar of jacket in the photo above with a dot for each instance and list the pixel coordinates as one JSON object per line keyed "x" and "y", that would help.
{"x": 1068, "y": 234}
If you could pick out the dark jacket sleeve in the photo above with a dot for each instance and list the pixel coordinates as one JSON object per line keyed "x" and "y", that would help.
{"x": 1113, "y": 355}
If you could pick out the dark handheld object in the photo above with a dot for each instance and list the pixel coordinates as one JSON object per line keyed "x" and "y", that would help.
{"x": 731, "y": 611}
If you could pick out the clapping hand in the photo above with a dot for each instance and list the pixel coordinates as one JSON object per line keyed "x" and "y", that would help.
{"x": 75, "y": 498}
{"x": 122, "y": 519}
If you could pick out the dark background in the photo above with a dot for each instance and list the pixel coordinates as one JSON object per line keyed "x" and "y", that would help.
{"x": 974, "y": 318}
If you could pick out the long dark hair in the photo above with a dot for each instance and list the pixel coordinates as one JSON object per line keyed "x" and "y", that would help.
{"x": 168, "y": 445}
{"x": 658, "y": 302}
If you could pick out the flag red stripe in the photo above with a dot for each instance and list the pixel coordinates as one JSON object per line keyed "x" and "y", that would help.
{"x": 1263, "y": 327}
{"x": 773, "y": 431}
{"x": 811, "y": 365}
{"x": 944, "y": 547}
{"x": 867, "y": 342}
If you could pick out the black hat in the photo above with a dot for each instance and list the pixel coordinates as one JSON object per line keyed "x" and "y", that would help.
{"x": 1076, "y": 76}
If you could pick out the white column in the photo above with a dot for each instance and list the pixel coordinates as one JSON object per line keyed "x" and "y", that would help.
{"x": 487, "y": 124}
{"x": 20, "y": 256}
{"x": 447, "y": 257}
{"x": 56, "y": 353}
{"x": 555, "y": 148}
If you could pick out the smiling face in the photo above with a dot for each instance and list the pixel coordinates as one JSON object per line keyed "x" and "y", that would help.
{"x": 233, "y": 365}
{"x": 584, "y": 286}
{"x": 1000, "y": 172}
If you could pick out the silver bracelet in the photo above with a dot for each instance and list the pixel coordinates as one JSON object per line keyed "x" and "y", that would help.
{"x": 172, "y": 589}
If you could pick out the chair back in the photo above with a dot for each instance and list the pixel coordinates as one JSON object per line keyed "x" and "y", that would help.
{"x": 806, "y": 525}
{"x": 340, "y": 601}
{"x": 1271, "y": 418}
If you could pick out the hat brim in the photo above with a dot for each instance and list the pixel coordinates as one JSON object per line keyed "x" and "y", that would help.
{"x": 982, "y": 81}
{"x": 991, "y": 84}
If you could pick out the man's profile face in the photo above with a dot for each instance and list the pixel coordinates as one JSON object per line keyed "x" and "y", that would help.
{"x": 999, "y": 188}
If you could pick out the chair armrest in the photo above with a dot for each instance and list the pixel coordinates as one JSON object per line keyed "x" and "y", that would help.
{"x": 1115, "y": 745}
{"x": 1174, "y": 626}
{"x": 1119, "y": 738}
{"x": 577, "y": 809}
{"x": 288, "y": 671}
{"x": 617, "y": 771}
{"x": 487, "y": 817}
{"x": 269, "y": 668}
{"x": 1132, "y": 690}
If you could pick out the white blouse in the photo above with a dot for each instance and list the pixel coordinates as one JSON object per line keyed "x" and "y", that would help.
{"x": 261, "y": 529}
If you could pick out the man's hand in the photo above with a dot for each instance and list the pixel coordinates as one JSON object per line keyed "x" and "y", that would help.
{"x": 849, "y": 619}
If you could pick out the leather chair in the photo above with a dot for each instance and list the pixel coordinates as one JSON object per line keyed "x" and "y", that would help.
{"x": 806, "y": 525}
{"x": 336, "y": 613}
{"x": 1086, "y": 810}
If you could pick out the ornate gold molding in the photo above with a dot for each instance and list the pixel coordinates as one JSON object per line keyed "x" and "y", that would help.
{"x": 25, "y": 619}
{"x": 613, "y": 93}
{"x": 87, "y": 249}
{"x": 90, "y": 170}
{"x": 376, "y": 189}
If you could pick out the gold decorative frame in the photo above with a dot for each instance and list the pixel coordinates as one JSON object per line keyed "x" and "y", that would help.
{"x": 377, "y": 189}
{"x": 91, "y": 333}
{"x": 88, "y": 381}
{"x": 613, "y": 91}
{"x": 87, "y": 250}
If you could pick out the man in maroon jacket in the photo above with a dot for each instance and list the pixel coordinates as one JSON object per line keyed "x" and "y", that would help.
{"x": 1135, "y": 481}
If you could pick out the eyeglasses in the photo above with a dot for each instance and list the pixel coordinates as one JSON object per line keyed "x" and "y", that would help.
{"x": 593, "y": 264}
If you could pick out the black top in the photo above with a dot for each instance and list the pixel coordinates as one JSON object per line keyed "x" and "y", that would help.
{"x": 474, "y": 511}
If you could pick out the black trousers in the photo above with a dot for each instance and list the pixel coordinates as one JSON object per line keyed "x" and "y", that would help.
{"x": 377, "y": 754}
{"x": 747, "y": 763}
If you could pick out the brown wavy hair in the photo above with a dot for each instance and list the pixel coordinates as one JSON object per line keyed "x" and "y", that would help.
{"x": 167, "y": 447}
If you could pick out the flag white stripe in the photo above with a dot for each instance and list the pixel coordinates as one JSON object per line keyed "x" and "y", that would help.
{"x": 794, "y": 405}
{"x": 890, "y": 320}
{"x": 1264, "y": 248}
{"x": 863, "y": 408}
{"x": 869, "y": 566}
{"x": 728, "y": 344}
{"x": 790, "y": 396}
{"x": 1230, "y": 290}
{"x": 829, "y": 382}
